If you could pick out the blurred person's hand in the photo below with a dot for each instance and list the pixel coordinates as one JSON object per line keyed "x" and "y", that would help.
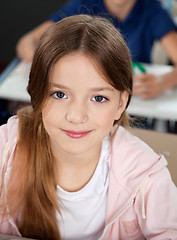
{"x": 147, "y": 86}
{"x": 27, "y": 44}
{"x": 25, "y": 48}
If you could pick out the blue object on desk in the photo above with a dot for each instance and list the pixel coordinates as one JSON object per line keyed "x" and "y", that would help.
{"x": 9, "y": 69}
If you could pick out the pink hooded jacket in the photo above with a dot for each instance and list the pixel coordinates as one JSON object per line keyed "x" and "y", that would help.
{"x": 142, "y": 199}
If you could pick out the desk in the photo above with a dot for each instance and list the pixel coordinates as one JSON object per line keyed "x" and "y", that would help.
{"x": 13, "y": 84}
{"x": 14, "y": 80}
{"x": 163, "y": 107}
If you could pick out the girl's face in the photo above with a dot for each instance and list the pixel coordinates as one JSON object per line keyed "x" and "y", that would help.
{"x": 81, "y": 106}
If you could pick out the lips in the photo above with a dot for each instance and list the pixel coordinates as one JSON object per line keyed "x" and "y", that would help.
{"x": 76, "y": 134}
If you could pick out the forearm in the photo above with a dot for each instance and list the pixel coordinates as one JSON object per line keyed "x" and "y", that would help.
{"x": 27, "y": 44}
{"x": 38, "y": 31}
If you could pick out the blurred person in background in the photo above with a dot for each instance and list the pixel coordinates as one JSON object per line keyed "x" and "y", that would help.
{"x": 141, "y": 22}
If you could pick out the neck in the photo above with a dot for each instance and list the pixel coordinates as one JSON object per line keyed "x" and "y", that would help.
{"x": 74, "y": 171}
{"x": 120, "y": 10}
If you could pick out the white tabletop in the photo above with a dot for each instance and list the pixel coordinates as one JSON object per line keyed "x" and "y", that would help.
{"x": 162, "y": 107}
{"x": 13, "y": 87}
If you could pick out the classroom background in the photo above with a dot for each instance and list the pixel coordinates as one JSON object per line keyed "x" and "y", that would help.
{"x": 19, "y": 16}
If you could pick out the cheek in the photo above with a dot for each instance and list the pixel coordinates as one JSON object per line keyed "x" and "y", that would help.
{"x": 52, "y": 110}
{"x": 49, "y": 114}
{"x": 46, "y": 112}
{"x": 106, "y": 119}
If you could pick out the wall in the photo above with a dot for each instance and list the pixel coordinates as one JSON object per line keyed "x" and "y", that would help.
{"x": 19, "y": 16}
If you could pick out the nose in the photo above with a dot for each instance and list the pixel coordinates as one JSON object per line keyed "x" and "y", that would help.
{"x": 77, "y": 113}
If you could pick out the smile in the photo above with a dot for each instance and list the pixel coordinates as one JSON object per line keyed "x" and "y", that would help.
{"x": 76, "y": 134}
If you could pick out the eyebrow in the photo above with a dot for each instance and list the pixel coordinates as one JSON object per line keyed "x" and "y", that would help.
{"x": 58, "y": 85}
{"x": 96, "y": 89}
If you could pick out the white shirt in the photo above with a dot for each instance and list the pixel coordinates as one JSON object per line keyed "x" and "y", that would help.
{"x": 83, "y": 212}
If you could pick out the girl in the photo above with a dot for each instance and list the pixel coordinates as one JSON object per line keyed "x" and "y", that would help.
{"x": 68, "y": 169}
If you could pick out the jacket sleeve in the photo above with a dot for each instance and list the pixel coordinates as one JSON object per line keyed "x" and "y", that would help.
{"x": 160, "y": 207}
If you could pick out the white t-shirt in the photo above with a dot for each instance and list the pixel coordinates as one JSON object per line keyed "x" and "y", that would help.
{"x": 83, "y": 212}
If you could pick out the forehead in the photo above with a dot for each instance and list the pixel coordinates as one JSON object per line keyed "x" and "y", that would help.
{"x": 77, "y": 68}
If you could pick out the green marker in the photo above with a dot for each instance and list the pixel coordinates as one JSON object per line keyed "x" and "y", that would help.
{"x": 139, "y": 66}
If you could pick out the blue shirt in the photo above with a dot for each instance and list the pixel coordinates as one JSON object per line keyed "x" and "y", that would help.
{"x": 148, "y": 21}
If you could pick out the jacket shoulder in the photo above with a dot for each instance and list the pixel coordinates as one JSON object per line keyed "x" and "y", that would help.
{"x": 130, "y": 145}
{"x": 132, "y": 160}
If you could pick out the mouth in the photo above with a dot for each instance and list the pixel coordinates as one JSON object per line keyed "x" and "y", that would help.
{"x": 76, "y": 134}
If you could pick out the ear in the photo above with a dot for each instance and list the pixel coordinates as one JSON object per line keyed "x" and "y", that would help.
{"x": 122, "y": 104}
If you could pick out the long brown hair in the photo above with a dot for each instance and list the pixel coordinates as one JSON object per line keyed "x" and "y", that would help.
{"x": 34, "y": 193}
